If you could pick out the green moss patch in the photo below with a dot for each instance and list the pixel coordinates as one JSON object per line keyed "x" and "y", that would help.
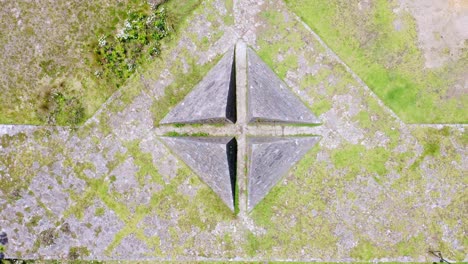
{"x": 388, "y": 61}
{"x": 145, "y": 163}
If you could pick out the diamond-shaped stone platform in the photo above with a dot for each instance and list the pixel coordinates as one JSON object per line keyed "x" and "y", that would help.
{"x": 268, "y": 100}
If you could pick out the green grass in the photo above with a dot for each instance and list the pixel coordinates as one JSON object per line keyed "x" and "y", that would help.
{"x": 64, "y": 63}
{"x": 388, "y": 61}
{"x": 177, "y": 11}
{"x": 62, "y": 110}
{"x": 177, "y": 134}
{"x": 355, "y": 158}
{"x": 431, "y": 142}
{"x": 97, "y": 60}
{"x": 78, "y": 253}
{"x": 366, "y": 251}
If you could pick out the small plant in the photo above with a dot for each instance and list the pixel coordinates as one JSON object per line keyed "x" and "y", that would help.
{"x": 77, "y": 253}
{"x": 138, "y": 40}
{"x": 59, "y": 109}
{"x": 438, "y": 255}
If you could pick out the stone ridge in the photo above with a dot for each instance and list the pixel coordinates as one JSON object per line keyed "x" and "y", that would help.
{"x": 269, "y": 98}
{"x": 212, "y": 159}
{"x": 270, "y": 159}
{"x": 213, "y": 100}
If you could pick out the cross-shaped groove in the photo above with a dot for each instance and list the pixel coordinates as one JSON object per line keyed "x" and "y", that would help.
{"x": 265, "y": 150}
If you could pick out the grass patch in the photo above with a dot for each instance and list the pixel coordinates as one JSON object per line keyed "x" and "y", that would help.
{"x": 62, "y": 110}
{"x": 432, "y": 141}
{"x": 99, "y": 57}
{"x": 177, "y": 134}
{"x": 78, "y": 253}
{"x": 356, "y": 158}
{"x": 65, "y": 55}
{"x": 177, "y": 11}
{"x": 252, "y": 245}
{"x": 365, "y": 251}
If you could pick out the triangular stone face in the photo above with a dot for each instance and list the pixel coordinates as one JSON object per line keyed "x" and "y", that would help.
{"x": 213, "y": 100}
{"x": 270, "y": 159}
{"x": 269, "y": 98}
{"x": 213, "y": 159}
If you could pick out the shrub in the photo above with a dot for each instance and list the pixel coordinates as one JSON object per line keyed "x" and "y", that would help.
{"x": 137, "y": 41}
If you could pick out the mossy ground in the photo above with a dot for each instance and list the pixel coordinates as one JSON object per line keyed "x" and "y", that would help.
{"x": 99, "y": 195}
{"x": 40, "y": 58}
{"x": 372, "y": 188}
{"x": 388, "y": 60}
{"x": 371, "y": 159}
{"x": 50, "y": 51}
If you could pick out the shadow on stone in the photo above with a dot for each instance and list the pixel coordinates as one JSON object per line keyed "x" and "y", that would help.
{"x": 231, "y": 109}
{"x": 231, "y": 151}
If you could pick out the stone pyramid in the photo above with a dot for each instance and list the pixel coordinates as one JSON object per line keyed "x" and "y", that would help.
{"x": 213, "y": 100}
{"x": 270, "y": 159}
{"x": 270, "y": 99}
{"x": 213, "y": 159}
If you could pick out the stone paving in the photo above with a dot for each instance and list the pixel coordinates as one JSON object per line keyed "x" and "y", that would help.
{"x": 373, "y": 188}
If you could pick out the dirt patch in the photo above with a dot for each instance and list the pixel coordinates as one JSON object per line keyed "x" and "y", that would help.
{"x": 442, "y": 28}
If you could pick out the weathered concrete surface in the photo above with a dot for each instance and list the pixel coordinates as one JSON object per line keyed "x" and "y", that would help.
{"x": 241, "y": 125}
{"x": 269, "y": 98}
{"x": 333, "y": 205}
{"x": 270, "y": 159}
{"x": 212, "y": 100}
{"x": 212, "y": 159}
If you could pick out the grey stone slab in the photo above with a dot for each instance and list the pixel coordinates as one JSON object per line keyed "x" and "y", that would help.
{"x": 213, "y": 100}
{"x": 270, "y": 159}
{"x": 270, "y": 99}
{"x": 213, "y": 159}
